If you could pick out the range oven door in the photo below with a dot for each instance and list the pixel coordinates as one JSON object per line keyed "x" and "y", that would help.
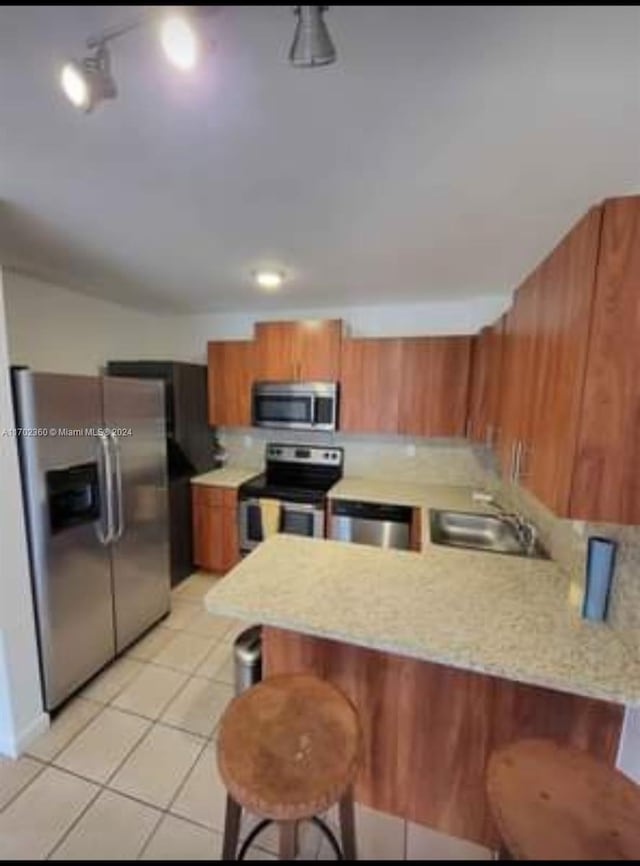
{"x": 295, "y": 405}
{"x": 296, "y": 518}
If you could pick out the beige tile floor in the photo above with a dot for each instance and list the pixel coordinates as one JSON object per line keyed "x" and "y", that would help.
{"x": 127, "y": 769}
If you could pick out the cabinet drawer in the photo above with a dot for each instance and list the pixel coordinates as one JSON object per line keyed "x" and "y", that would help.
{"x": 212, "y": 497}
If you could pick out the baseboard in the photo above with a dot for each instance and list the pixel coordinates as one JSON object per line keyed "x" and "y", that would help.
{"x": 14, "y": 747}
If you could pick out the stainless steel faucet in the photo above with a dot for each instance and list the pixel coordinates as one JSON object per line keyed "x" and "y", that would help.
{"x": 526, "y": 531}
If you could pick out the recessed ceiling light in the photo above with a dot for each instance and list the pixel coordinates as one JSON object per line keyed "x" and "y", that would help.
{"x": 269, "y": 280}
{"x": 180, "y": 42}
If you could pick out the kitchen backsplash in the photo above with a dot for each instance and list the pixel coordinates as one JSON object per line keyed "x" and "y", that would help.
{"x": 403, "y": 459}
{"x": 566, "y": 541}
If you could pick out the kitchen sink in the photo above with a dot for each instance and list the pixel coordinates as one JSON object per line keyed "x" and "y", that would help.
{"x": 494, "y": 533}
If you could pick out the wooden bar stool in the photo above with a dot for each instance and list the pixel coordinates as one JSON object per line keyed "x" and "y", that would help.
{"x": 558, "y": 803}
{"x": 289, "y": 749}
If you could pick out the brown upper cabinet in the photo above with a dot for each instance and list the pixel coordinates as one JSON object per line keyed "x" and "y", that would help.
{"x": 307, "y": 350}
{"x": 417, "y": 386}
{"x": 485, "y": 384}
{"x": 434, "y": 386}
{"x": 370, "y": 379}
{"x": 517, "y": 379}
{"x": 570, "y": 394}
{"x": 545, "y": 346}
{"x": 606, "y": 480}
{"x": 231, "y": 365}
{"x": 561, "y": 313}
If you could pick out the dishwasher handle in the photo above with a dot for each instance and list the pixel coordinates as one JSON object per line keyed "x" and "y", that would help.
{"x": 371, "y": 511}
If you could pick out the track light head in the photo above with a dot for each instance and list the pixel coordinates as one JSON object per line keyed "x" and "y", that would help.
{"x": 88, "y": 82}
{"x": 312, "y": 45}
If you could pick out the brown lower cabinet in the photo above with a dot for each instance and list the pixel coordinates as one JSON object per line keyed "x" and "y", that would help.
{"x": 215, "y": 528}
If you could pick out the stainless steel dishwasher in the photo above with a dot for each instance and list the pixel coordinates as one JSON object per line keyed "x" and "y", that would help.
{"x": 371, "y": 523}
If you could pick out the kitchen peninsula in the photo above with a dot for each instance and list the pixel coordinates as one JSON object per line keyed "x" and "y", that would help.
{"x": 446, "y": 653}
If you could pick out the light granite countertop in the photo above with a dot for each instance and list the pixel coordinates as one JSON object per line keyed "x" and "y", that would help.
{"x": 497, "y": 615}
{"x": 392, "y": 493}
{"x": 227, "y": 476}
{"x": 423, "y": 496}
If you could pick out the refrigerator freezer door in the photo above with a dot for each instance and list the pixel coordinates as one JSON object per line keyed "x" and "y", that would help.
{"x": 134, "y": 410}
{"x": 64, "y": 484}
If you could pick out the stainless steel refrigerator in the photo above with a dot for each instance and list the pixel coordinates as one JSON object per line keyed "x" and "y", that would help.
{"x": 93, "y": 459}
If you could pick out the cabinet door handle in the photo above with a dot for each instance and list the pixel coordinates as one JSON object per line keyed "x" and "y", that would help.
{"x": 520, "y": 450}
{"x": 513, "y": 466}
{"x": 489, "y": 436}
{"x": 524, "y": 461}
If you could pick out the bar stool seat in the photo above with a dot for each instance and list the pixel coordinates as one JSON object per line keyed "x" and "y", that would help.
{"x": 289, "y": 749}
{"x": 551, "y": 802}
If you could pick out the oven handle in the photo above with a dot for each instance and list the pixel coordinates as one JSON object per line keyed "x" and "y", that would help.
{"x": 300, "y": 506}
{"x": 286, "y": 506}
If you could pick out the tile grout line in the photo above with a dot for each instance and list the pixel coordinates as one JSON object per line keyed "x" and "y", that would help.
{"x": 103, "y": 787}
{"x": 178, "y": 790}
{"x": 49, "y": 763}
{"x": 166, "y": 811}
{"x": 43, "y": 767}
{"x": 121, "y": 763}
{"x": 75, "y": 822}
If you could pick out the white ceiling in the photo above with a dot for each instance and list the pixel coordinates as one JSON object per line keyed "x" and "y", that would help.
{"x": 440, "y": 157}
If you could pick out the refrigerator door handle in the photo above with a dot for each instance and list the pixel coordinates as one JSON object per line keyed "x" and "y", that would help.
{"x": 105, "y": 532}
{"x": 118, "y": 473}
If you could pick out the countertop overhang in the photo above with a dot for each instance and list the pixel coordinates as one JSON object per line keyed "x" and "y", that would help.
{"x": 499, "y": 615}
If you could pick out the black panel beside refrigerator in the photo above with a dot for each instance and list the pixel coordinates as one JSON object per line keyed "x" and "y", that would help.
{"x": 190, "y": 444}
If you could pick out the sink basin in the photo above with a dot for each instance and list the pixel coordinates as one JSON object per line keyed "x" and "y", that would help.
{"x": 489, "y": 532}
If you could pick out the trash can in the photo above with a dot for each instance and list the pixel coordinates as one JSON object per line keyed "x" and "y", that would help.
{"x": 247, "y": 656}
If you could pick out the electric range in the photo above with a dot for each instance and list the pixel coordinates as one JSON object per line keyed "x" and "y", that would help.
{"x": 299, "y": 477}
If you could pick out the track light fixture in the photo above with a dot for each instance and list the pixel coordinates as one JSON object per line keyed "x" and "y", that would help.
{"x": 89, "y": 81}
{"x": 312, "y": 45}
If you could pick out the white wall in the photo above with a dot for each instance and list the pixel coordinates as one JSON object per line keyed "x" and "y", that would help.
{"x": 21, "y": 715}
{"x": 55, "y": 329}
{"x": 392, "y": 320}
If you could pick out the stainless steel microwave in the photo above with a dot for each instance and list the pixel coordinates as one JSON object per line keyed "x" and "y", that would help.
{"x": 295, "y": 405}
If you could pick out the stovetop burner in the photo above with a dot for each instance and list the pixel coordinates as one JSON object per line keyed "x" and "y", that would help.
{"x": 296, "y": 473}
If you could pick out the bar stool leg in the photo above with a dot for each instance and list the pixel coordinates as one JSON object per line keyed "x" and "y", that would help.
{"x": 348, "y": 827}
{"x": 288, "y": 847}
{"x": 231, "y": 829}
